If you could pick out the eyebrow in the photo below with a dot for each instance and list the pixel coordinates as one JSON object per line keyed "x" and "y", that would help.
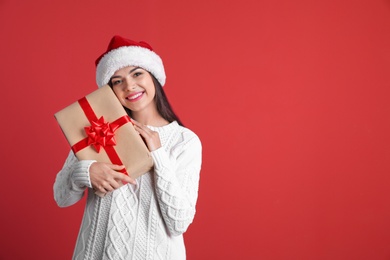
{"x": 113, "y": 77}
{"x": 134, "y": 69}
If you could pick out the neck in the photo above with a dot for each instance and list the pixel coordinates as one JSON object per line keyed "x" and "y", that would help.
{"x": 152, "y": 118}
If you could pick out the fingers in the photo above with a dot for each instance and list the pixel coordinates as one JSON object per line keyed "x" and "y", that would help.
{"x": 121, "y": 176}
{"x": 151, "y": 138}
{"x": 107, "y": 187}
{"x": 142, "y": 129}
{"x": 116, "y": 167}
{"x": 106, "y": 178}
{"x": 124, "y": 178}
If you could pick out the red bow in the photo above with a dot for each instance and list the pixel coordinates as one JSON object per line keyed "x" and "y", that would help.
{"x": 101, "y": 133}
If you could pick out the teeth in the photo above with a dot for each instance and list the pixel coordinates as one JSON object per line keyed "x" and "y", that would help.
{"x": 135, "y": 96}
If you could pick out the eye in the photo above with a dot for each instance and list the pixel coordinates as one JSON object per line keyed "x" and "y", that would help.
{"x": 137, "y": 73}
{"x": 115, "y": 82}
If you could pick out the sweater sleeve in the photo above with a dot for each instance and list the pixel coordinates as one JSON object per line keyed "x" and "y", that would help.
{"x": 177, "y": 181}
{"x": 72, "y": 181}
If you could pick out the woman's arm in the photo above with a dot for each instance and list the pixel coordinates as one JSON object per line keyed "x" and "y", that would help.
{"x": 177, "y": 181}
{"x": 72, "y": 181}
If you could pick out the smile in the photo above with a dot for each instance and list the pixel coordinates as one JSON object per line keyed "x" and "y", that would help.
{"x": 135, "y": 96}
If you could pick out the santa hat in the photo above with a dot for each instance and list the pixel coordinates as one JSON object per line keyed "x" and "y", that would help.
{"x": 123, "y": 52}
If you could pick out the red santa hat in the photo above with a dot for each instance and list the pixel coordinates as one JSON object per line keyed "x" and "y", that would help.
{"x": 123, "y": 52}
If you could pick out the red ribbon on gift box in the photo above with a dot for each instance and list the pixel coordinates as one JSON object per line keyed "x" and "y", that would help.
{"x": 100, "y": 133}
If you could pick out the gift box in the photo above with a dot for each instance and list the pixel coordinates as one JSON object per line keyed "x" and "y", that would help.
{"x": 97, "y": 127}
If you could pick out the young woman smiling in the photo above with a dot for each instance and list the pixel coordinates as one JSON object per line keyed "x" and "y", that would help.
{"x": 146, "y": 218}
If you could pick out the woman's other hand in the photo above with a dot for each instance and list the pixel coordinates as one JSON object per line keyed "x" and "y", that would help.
{"x": 151, "y": 138}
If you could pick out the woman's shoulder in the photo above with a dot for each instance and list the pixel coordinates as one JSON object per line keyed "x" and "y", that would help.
{"x": 182, "y": 130}
{"x": 177, "y": 133}
{"x": 187, "y": 135}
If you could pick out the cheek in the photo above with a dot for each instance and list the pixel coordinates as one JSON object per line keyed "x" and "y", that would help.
{"x": 152, "y": 92}
{"x": 118, "y": 94}
{"x": 151, "y": 89}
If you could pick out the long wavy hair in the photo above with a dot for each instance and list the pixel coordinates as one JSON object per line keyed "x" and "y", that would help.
{"x": 164, "y": 108}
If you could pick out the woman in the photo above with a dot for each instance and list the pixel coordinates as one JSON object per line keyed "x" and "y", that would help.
{"x": 146, "y": 218}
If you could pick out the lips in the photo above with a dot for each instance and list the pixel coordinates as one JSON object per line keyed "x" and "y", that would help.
{"x": 135, "y": 96}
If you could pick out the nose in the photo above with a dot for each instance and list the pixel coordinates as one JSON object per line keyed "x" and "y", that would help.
{"x": 130, "y": 83}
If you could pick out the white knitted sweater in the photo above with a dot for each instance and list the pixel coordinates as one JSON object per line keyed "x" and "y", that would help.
{"x": 143, "y": 221}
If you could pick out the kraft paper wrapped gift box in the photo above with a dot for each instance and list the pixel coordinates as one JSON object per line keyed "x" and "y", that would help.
{"x": 98, "y": 128}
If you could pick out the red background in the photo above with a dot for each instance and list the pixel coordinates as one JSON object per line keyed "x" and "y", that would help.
{"x": 290, "y": 100}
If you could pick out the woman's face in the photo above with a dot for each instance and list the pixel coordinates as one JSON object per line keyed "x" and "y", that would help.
{"x": 134, "y": 88}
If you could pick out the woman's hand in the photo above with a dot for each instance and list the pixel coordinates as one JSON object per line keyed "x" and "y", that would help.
{"x": 151, "y": 138}
{"x": 105, "y": 177}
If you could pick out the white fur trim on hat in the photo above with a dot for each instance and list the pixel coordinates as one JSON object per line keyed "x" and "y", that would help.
{"x": 129, "y": 56}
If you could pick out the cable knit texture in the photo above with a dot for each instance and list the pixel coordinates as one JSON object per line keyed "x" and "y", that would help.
{"x": 144, "y": 221}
